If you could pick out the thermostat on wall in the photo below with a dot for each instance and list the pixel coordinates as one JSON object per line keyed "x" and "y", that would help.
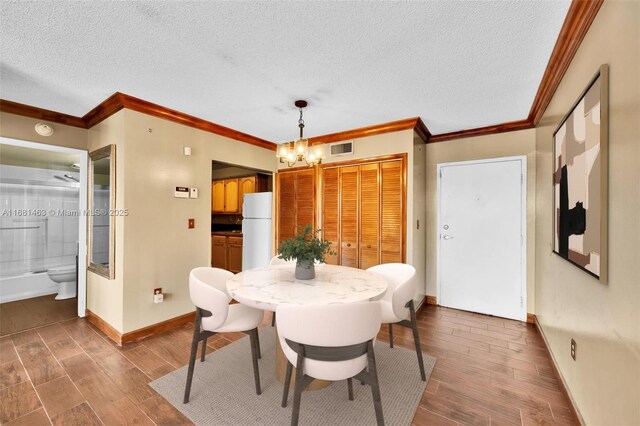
{"x": 181, "y": 192}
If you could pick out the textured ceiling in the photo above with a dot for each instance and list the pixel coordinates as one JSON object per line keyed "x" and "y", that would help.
{"x": 458, "y": 65}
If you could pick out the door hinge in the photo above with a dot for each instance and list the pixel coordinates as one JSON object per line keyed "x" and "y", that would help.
{"x": 521, "y": 301}
{"x": 440, "y": 172}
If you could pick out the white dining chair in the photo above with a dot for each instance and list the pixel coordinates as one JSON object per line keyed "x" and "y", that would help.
{"x": 329, "y": 342}
{"x": 397, "y": 302}
{"x": 208, "y": 291}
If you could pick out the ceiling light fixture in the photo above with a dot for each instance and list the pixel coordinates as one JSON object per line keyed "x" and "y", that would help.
{"x": 299, "y": 150}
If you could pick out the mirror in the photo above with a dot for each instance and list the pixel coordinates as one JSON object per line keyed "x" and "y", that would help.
{"x": 102, "y": 198}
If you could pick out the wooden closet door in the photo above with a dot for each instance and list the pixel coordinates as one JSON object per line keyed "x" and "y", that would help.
{"x": 304, "y": 199}
{"x": 331, "y": 212}
{"x": 349, "y": 216}
{"x": 286, "y": 206}
{"x": 391, "y": 189}
{"x": 369, "y": 215}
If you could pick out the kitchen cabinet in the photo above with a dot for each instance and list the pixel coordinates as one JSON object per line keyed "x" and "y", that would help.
{"x": 226, "y": 252}
{"x": 226, "y": 194}
{"x": 295, "y": 202}
{"x": 363, "y": 213}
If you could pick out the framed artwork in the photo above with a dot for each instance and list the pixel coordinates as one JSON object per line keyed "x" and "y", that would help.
{"x": 580, "y": 179}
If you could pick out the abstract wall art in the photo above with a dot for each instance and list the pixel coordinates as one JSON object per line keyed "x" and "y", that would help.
{"x": 580, "y": 180}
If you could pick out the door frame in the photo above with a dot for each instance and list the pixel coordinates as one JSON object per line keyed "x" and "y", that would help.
{"x": 82, "y": 206}
{"x": 523, "y": 220}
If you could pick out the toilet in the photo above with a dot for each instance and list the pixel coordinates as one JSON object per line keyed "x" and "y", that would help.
{"x": 66, "y": 277}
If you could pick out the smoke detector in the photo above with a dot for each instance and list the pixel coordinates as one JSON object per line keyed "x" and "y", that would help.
{"x": 44, "y": 129}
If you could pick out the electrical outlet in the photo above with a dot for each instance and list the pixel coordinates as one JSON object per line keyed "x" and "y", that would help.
{"x": 192, "y": 223}
{"x": 573, "y": 349}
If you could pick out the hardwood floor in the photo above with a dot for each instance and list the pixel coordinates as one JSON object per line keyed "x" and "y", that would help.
{"x": 489, "y": 371}
{"x": 35, "y": 312}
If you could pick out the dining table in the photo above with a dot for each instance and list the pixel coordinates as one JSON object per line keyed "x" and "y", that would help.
{"x": 269, "y": 287}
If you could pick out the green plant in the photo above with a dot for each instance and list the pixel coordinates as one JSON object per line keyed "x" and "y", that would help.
{"x": 305, "y": 247}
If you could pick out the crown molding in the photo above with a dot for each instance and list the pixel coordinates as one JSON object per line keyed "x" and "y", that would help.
{"x": 414, "y": 123}
{"x": 480, "y": 131}
{"x": 579, "y": 18}
{"x": 40, "y": 113}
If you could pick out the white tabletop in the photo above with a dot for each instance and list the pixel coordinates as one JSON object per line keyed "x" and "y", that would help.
{"x": 266, "y": 288}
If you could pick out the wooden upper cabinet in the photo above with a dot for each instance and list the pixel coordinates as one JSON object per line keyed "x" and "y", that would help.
{"x": 331, "y": 212}
{"x": 349, "y": 216}
{"x": 391, "y": 212}
{"x": 217, "y": 196}
{"x": 369, "y": 215}
{"x": 231, "y": 204}
{"x": 286, "y": 186}
{"x": 305, "y": 197}
{"x": 246, "y": 185}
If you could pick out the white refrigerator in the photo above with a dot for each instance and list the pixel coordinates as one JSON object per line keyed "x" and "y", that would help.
{"x": 257, "y": 230}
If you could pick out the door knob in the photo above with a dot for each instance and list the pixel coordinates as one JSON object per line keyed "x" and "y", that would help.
{"x": 447, "y": 237}
{"x": 369, "y": 246}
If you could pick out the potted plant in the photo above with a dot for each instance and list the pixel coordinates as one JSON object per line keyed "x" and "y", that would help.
{"x": 305, "y": 248}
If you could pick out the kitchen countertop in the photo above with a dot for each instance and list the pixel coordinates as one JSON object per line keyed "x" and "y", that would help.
{"x": 227, "y": 233}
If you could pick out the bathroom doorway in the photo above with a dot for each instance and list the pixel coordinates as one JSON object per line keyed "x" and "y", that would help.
{"x": 43, "y": 201}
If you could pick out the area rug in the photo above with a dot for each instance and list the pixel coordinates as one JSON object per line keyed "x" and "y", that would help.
{"x": 223, "y": 391}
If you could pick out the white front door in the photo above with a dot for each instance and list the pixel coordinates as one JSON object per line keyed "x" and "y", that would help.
{"x": 481, "y": 231}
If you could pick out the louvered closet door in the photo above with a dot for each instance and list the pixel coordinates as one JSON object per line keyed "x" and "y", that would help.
{"x": 286, "y": 206}
{"x": 369, "y": 215}
{"x": 304, "y": 199}
{"x": 391, "y": 211}
{"x": 349, "y": 216}
{"x": 331, "y": 212}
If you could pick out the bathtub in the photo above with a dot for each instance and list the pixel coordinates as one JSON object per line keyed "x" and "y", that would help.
{"x": 26, "y": 286}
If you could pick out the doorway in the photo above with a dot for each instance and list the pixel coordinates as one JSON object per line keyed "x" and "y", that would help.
{"x": 43, "y": 192}
{"x": 482, "y": 236}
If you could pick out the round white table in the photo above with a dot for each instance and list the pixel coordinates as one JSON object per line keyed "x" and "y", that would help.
{"x": 266, "y": 288}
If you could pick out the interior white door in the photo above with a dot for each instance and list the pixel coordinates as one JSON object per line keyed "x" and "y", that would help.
{"x": 481, "y": 236}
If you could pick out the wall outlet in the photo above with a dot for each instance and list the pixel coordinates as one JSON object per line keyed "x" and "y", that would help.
{"x": 192, "y": 223}
{"x": 158, "y": 297}
{"x": 573, "y": 349}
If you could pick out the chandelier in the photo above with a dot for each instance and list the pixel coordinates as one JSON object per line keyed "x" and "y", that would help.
{"x": 299, "y": 150}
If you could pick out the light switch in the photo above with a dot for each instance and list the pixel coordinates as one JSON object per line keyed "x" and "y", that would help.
{"x": 192, "y": 223}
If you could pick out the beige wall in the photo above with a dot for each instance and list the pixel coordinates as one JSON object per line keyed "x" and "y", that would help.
{"x": 23, "y": 128}
{"x": 604, "y": 319}
{"x": 104, "y": 296}
{"x": 388, "y": 144}
{"x": 159, "y": 250}
{"x": 492, "y": 146}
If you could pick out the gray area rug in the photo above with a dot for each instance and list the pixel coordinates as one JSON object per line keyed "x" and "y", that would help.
{"x": 223, "y": 391}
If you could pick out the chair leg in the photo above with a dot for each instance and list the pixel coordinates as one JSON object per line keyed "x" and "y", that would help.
{"x": 416, "y": 339}
{"x": 204, "y": 349}
{"x": 258, "y": 344}
{"x": 350, "y": 386}
{"x": 253, "y": 338}
{"x": 192, "y": 358}
{"x": 375, "y": 387}
{"x": 273, "y": 319}
{"x": 297, "y": 391}
{"x": 390, "y": 335}
{"x": 287, "y": 384}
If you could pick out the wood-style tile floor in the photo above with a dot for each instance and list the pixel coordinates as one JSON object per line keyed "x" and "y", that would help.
{"x": 35, "y": 312}
{"x": 488, "y": 371}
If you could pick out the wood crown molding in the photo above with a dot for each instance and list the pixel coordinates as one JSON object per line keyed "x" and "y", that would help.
{"x": 579, "y": 18}
{"x": 414, "y": 123}
{"x": 480, "y": 131}
{"x": 40, "y": 113}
